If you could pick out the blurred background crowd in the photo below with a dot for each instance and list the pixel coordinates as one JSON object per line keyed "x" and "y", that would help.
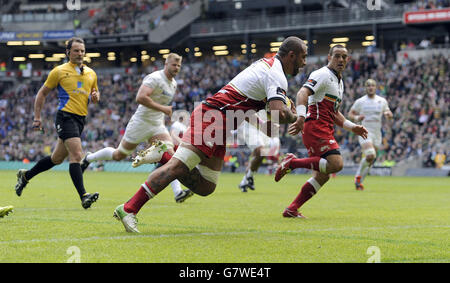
{"x": 417, "y": 92}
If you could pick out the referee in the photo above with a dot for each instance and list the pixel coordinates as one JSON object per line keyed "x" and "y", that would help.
{"x": 75, "y": 84}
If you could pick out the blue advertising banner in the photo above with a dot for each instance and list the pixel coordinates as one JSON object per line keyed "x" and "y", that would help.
{"x": 36, "y": 35}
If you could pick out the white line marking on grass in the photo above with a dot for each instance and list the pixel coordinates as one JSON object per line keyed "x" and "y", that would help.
{"x": 134, "y": 236}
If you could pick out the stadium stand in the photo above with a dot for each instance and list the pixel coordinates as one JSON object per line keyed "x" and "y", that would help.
{"x": 417, "y": 88}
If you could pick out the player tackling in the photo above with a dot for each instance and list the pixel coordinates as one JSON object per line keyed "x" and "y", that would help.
{"x": 369, "y": 110}
{"x": 321, "y": 95}
{"x": 147, "y": 123}
{"x": 198, "y": 161}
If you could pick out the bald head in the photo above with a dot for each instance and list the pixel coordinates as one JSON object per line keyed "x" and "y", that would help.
{"x": 292, "y": 52}
{"x": 292, "y": 43}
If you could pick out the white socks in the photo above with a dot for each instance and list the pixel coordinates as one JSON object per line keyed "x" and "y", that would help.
{"x": 103, "y": 154}
{"x": 248, "y": 174}
{"x": 363, "y": 169}
{"x": 176, "y": 187}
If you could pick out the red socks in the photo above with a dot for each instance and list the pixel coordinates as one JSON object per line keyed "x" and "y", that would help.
{"x": 165, "y": 158}
{"x": 139, "y": 199}
{"x": 309, "y": 189}
{"x": 308, "y": 163}
{"x": 144, "y": 193}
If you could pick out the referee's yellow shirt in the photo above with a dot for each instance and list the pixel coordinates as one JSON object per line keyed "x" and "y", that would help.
{"x": 73, "y": 86}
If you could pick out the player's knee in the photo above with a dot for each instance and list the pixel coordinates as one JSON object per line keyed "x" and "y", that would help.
{"x": 370, "y": 158}
{"x": 75, "y": 156}
{"x": 336, "y": 166}
{"x": 206, "y": 189}
{"x": 56, "y": 160}
{"x": 210, "y": 178}
{"x": 118, "y": 155}
{"x": 121, "y": 151}
{"x": 257, "y": 151}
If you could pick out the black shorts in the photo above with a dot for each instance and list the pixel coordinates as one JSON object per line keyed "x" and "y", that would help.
{"x": 330, "y": 152}
{"x": 69, "y": 125}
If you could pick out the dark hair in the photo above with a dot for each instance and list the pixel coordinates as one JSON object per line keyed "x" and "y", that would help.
{"x": 71, "y": 41}
{"x": 292, "y": 43}
{"x": 334, "y": 47}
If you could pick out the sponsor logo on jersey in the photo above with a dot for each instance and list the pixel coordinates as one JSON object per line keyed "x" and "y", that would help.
{"x": 311, "y": 82}
{"x": 281, "y": 91}
{"x": 325, "y": 147}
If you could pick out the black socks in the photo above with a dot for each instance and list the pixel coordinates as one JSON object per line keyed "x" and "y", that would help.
{"x": 42, "y": 165}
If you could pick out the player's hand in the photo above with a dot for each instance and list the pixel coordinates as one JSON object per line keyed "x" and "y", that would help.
{"x": 360, "y": 117}
{"x": 37, "y": 126}
{"x": 293, "y": 109}
{"x": 360, "y": 131}
{"x": 388, "y": 115}
{"x": 168, "y": 110}
{"x": 95, "y": 96}
{"x": 297, "y": 126}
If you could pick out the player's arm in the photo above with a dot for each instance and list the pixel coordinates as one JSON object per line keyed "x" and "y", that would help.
{"x": 285, "y": 115}
{"x": 50, "y": 83}
{"x": 38, "y": 105}
{"x": 342, "y": 122}
{"x": 355, "y": 111}
{"x": 355, "y": 116}
{"x": 387, "y": 112}
{"x": 301, "y": 108}
{"x": 95, "y": 94}
{"x": 144, "y": 97}
{"x": 277, "y": 99}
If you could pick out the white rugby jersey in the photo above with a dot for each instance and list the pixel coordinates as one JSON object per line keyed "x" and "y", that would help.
{"x": 263, "y": 79}
{"x": 372, "y": 109}
{"x": 163, "y": 93}
{"x": 259, "y": 83}
{"x": 327, "y": 94}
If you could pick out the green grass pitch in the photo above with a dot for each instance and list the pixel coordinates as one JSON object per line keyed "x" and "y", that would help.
{"x": 396, "y": 220}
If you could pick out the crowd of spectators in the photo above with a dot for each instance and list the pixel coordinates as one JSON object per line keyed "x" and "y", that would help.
{"x": 430, "y": 4}
{"x": 124, "y": 16}
{"x": 417, "y": 92}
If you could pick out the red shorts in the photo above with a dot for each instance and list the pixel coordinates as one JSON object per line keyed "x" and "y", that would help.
{"x": 273, "y": 158}
{"x": 318, "y": 137}
{"x": 207, "y": 132}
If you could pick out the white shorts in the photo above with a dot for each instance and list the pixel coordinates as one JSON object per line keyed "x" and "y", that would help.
{"x": 253, "y": 138}
{"x": 374, "y": 138}
{"x": 273, "y": 147}
{"x": 138, "y": 131}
